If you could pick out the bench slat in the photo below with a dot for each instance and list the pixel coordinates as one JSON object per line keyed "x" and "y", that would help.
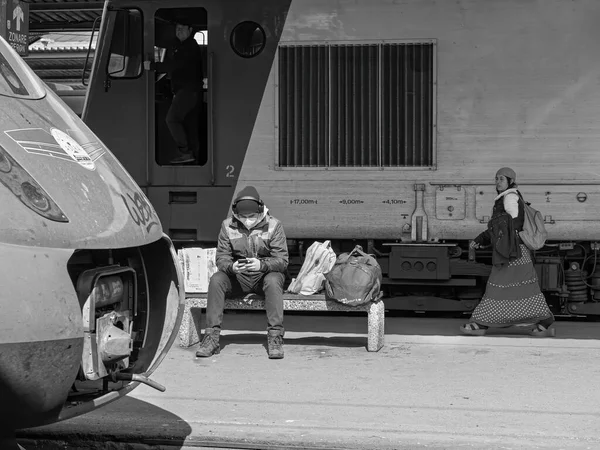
{"x": 286, "y": 296}
{"x": 305, "y": 304}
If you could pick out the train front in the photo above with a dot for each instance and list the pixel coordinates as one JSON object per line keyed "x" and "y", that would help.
{"x": 91, "y": 290}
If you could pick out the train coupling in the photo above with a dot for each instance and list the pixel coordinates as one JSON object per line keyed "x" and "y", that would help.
{"x": 120, "y": 376}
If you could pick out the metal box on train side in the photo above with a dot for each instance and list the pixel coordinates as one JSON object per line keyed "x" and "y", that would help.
{"x": 414, "y": 262}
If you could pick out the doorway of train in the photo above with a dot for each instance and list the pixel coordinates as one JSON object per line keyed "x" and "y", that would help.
{"x": 133, "y": 88}
{"x": 190, "y": 94}
{"x": 181, "y": 86}
{"x": 182, "y": 103}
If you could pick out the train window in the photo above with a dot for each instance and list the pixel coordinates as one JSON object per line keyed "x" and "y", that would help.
{"x": 16, "y": 78}
{"x": 248, "y": 39}
{"x": 181, "y": 86}
{"x": 126, "y": 48}
{"x": 357, "y": 105}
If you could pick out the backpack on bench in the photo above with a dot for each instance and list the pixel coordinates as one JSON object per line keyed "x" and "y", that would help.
{"x": 355, "y": 279}
{"x": 319, "y": 260}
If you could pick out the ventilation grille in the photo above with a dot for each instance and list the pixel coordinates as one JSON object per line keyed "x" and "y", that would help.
{"x": 365, "y": 105}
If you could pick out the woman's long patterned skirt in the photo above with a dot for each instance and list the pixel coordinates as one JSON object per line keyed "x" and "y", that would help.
{"x": 512, "y": 296}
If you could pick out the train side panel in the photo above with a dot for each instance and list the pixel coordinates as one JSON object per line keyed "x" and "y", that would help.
{"x": 516, "y": 84}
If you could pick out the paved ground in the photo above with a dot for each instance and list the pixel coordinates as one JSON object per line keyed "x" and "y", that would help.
{"x": 427, "y": 388}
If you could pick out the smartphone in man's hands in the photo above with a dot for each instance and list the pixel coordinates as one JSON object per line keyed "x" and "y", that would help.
{"x": 243, "y": 261}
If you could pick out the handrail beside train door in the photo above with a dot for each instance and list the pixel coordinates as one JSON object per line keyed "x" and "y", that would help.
{"x": 87, "y": 56}
{"x": 211, "y": 127}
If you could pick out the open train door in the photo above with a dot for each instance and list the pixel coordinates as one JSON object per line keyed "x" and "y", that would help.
{"x": 117, "y": 102}
{"x": 127, "y": 105}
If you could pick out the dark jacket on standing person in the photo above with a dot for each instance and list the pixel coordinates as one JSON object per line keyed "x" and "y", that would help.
{"x": 183, "y": 63}
{"x": 502, "y": 231}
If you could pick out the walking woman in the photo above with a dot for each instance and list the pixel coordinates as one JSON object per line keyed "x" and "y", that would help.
{"x": 512, "y": 296}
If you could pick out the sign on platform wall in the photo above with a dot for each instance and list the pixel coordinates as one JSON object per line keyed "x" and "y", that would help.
{"x": 14, "y": 24}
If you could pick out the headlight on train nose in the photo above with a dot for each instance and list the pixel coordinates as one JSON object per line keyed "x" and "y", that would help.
{"x": 31, "y": 194}
{"x": 108, "y": 303}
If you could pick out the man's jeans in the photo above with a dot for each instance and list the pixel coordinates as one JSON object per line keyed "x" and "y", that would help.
{"x": 268, "y": 284}
{"x": 183, "y": 103}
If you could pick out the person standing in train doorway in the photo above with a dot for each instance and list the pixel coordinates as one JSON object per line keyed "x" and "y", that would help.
{"x": 252, "y": 256}
{"x": 183, "y": 64}
{"x": 513, "y": 296}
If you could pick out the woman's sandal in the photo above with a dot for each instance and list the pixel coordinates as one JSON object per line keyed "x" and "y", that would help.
{"x": 541, "y": 331}
{"x": 473, "y": 329}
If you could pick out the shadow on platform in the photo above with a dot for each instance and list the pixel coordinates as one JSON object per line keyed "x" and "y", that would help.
{"x": 109, "y": 427}
{"x": 261, "y": 338}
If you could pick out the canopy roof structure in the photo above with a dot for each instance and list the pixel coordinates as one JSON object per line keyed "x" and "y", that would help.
{"x": 51, "y": 15}
{"x": 59, "y": 38}
{"x": 59, "y": 57}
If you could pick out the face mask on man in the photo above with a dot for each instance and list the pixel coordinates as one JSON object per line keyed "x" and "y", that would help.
{"x": 249, "y": 221}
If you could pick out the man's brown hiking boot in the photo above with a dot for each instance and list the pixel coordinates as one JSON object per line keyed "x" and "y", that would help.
{"x": 275, "y": 344}
{"x": 210, "y": 343}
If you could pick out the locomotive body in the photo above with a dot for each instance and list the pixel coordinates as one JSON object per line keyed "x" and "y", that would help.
{"x": 379, "y": 122}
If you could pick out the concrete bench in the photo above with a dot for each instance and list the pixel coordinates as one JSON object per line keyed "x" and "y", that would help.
{"x": 189, "y": 333}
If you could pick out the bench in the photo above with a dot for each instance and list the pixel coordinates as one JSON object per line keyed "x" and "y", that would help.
{"x": 189, "y": 333}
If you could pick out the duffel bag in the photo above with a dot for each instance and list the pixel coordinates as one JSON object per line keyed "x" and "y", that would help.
{"x": 355, "y": 279}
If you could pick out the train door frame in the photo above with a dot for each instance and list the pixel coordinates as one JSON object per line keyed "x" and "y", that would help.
{"x": 179, "y": 175}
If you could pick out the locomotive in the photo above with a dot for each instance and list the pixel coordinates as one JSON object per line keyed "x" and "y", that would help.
{"x": 377, "y": 122}
{"x": 92, "y": 290}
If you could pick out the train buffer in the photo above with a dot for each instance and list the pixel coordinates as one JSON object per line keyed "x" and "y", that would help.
{"x": 189, "y": 333}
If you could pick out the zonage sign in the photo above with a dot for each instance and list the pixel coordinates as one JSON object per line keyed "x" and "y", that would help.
{"x": 14, "y": 24}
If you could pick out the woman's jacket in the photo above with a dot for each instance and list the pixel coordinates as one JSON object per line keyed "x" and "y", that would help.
{"x": 502, "y": 230}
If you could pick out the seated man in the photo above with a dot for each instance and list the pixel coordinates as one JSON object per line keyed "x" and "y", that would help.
{"x": 183, "y": 64}
{"x": 252, "y": 256}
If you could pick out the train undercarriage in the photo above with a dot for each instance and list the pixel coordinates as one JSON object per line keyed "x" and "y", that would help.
{"x": 447, "y": 277}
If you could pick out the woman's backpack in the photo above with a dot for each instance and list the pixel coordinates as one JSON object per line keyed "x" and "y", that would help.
{"x": 355, "y": 279}
{"x": 319, "y": 260}
{"x": 534, "y": 232}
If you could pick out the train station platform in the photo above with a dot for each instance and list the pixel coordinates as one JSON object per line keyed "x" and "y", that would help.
{"x": 429, "y": 387}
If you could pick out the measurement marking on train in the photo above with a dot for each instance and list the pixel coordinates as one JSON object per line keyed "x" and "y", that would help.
{"x": 351, "y": 202}
{"x": 394, "y": 201}
{"x": 303, "y": 201}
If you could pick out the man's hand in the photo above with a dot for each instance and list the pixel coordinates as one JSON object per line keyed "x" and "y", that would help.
{"x": 474, "y": 245}
{"x": 251, "y": 265}
{"x": 238, "y": 267}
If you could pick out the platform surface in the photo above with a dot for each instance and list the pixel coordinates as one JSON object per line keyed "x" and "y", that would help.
{"x": 429, "y": 387}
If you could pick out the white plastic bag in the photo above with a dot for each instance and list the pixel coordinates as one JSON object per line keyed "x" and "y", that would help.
{"x": 319, "y": 260}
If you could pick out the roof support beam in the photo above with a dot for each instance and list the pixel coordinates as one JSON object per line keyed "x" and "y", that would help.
{"x": 47, "y": 27}
{"x": 66, "y": 7}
